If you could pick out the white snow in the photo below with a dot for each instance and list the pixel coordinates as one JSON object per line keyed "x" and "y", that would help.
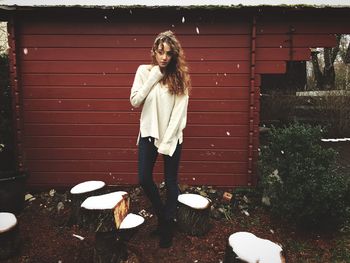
{"x": 193, "y": 200}
{"x": 112, "y": 3}
{"x": 87, "y": 186}
{"x": 131, "y": 221}
{"x": 336, "y": 140}
{"x": 252, "y": 249}
{"x": 106, "y": 201}
{"x": 78, "y": 236}
{"x": 7, "y": 221}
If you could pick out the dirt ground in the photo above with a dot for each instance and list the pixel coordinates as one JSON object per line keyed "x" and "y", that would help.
{"x": 45, "y": 240}
{"x": 46, "y": 237}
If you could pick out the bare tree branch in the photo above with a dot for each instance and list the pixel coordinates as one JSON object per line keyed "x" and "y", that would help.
{"x": 347, "y": 56}
{"x": 316, "y": 67}
{"x": 335, "y": 50}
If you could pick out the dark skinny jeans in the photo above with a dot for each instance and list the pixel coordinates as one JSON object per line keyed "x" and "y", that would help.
{"x": 147, "y": 158}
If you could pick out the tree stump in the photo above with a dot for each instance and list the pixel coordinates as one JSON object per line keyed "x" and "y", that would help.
{"x": 78, "y": 194}
{"x": 104, "y": 214}
{"x": 248, "y": 248}
{"x": 9, "y": 237}
{"x": 130, "y": 226}
{"x": 193, "y": 214}
{"x": 108, "y": 243}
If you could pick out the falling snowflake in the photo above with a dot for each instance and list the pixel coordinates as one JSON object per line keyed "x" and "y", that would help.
{"x": 197, "y": 30}
{"x": 25, "y": 51}
{"x": 238, "y": 66}
{"x": 228, "y": 133}
{"x": 183, "y": 19}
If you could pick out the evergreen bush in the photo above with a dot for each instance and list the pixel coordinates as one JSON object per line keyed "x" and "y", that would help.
{"x": 300, "y": 178}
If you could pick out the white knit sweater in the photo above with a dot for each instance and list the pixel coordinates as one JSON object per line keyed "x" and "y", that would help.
{"x": 163, "y": 115}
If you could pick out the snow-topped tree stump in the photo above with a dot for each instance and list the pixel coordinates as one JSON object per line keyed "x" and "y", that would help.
{"x": 193, "y": 214}
{"x": 9, "y": 237}
{"x": 78, "y": 194}
{"x": 248, "y": 248}
{"x": 104, "y": 214}
{"x": 129, "y": 226}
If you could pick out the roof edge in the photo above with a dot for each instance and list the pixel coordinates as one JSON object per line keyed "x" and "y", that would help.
{"x": 199, "y": 6}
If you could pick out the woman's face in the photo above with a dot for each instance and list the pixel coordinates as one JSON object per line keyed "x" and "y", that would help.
{"x": 163, "y": 55}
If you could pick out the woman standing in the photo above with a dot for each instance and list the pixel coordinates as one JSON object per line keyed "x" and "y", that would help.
{"x": 162, "y": 88}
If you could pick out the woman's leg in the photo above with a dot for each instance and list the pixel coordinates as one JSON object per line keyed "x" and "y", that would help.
{"x": 147, "y": 157}
{"x": 171, "y": 167}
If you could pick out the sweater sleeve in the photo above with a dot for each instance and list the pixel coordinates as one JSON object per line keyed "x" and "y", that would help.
{"x": 177, "y": 123}
{"x": 142, "y": 87}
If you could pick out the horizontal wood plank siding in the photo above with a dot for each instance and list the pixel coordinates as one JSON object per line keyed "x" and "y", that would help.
{"x": 78, "y": 121}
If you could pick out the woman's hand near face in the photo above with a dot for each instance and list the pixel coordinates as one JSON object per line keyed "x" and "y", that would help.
{"x": 156, "y": 72}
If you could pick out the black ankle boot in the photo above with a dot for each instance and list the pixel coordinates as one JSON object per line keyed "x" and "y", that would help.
{"x": 166, "y": 234}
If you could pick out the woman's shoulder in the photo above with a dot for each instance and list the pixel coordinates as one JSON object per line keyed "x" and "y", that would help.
{"x": 144, "y": 68}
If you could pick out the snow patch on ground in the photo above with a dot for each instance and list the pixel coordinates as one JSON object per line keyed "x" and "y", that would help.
{"x": 336, "y": 140}
{"x": 252, "y": 249}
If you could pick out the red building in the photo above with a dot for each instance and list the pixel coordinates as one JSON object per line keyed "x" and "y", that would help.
{"x": 72, "y": 68}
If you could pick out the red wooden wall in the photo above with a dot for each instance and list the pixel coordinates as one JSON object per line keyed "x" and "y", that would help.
{"x": 72, "y": 80}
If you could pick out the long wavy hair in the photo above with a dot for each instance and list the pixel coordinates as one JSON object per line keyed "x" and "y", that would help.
{"x": 176, "y": 74}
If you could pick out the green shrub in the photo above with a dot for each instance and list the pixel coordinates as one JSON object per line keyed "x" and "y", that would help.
{"x": 300, "y": 178}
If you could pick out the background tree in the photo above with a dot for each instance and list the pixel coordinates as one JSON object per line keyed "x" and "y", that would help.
{"x": 3, "y": 37}
{"x": 325, "y": 59}
{"x": 344, "y": 51}
{"x": 325, "y": 78}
